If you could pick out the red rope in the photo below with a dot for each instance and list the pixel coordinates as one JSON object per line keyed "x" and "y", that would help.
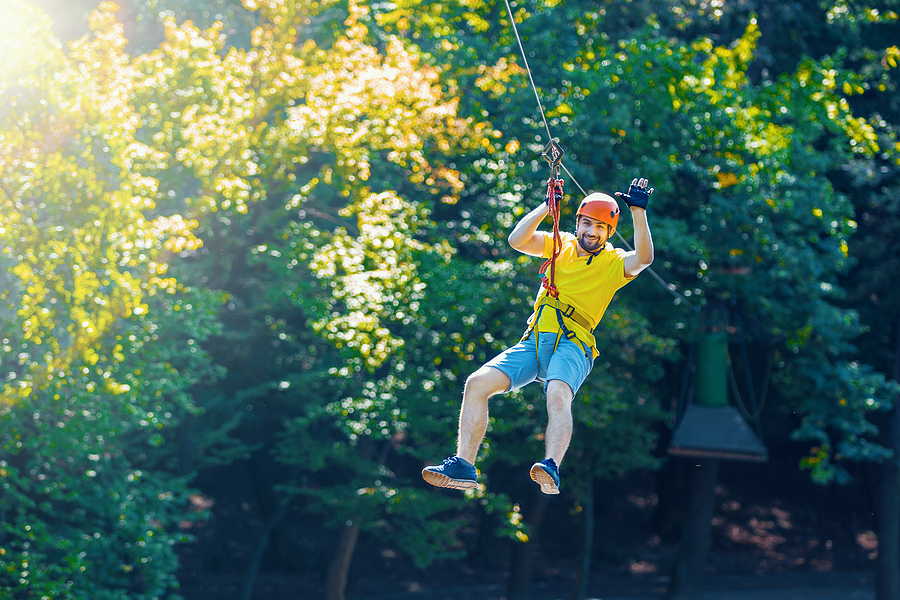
{"x": 554, "y": 186}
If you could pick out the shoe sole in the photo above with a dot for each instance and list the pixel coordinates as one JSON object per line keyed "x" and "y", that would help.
{"x": 543, "y": 478}
{"x": 440, "y": 480}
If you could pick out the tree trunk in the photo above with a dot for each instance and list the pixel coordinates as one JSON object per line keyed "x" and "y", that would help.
{"x": 687, "y": 576}
{"x": 671, "y": 489}
{"x": 266, "y": 475}
{"x": 260, "y": 550}
{"x": 339, "y": 570}
{"x": 887, "y": 575}
{"x": 187, "y": 447}
{"x": 586, "y": 551}
{"x": 484, "y": 551}
{"x": 523, "y": 554}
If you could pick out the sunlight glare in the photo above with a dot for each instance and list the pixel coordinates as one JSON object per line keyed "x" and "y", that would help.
{"x": 13, "y": 14}
{"x": 21, "y": 26}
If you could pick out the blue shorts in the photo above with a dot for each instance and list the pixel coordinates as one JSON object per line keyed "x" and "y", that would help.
{"x": 522, "y": 364}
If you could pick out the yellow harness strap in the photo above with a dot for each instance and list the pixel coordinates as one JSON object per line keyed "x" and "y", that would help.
{"x": 567, "y": 310}
{"x": 561, "y": 308}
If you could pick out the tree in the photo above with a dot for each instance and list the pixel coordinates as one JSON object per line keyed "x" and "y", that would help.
{"x": 275, "y": 148}
{"x": 872, "y": 183}
{"x": 76, "y": 264}
{"x": 92, "y": 328}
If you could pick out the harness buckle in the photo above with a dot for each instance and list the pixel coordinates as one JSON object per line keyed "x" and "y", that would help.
{"x": 569, "y": 311}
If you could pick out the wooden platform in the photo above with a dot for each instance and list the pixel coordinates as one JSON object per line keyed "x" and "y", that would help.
{"x": 716, "y": 432}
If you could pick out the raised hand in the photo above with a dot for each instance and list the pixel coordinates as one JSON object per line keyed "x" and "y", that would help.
{"x": 557, "y": 186}
{"x": 638, "y": 193}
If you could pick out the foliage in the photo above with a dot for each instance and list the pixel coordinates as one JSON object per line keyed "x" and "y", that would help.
{"x": 81, "y": 248}
{"x": 314, "y": 198}
{"x": 92, "y": 328}
{"x": 271, "y": 147}
{"x": 88, "y": 511}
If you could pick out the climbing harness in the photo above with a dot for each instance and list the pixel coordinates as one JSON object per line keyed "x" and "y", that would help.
{"x": 562, "y": 310}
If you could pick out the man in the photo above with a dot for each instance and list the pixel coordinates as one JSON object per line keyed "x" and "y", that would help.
{"x": 558, "y": 348}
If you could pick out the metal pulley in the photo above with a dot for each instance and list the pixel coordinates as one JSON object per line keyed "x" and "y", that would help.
{"x": 553, "y": 154}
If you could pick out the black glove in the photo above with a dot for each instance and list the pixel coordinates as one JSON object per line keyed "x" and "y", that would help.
{"x": 637, "y": 194}
{"x": 557, "y": 185}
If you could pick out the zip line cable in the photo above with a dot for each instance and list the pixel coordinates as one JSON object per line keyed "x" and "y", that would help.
{"x": 512, "y": 20}
{"x": 537, "y": 97}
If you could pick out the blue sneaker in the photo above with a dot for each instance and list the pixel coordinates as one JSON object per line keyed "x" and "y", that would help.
{"x": 456, "y": 473}
{"x": 546, "y": 474}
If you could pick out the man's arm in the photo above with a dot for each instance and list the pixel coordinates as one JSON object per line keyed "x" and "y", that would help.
{"x": 525, "y": 237}
{"x": 642, "y": 256}
{"x": 636, "y": 198}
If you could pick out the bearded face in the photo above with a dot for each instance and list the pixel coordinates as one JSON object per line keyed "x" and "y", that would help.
{"x": 591, "y": 233}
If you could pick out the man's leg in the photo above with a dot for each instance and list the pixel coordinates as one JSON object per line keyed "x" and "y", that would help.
{"x": 559, "y": 419}
{"x": 557, "y": 437}
{"x": 458, "y": 471}
{"x": 473, "y": 415}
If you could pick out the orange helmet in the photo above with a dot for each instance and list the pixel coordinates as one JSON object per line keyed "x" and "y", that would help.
{"x": 601, "y": 207}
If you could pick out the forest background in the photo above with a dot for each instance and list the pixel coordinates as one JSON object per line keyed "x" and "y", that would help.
{"x": 251, "y": 251}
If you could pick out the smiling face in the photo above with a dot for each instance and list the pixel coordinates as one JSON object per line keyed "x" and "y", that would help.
{"x": 591, "y": 233}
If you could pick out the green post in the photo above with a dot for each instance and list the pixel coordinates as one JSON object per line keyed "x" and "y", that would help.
{"x": 712, "y": 352}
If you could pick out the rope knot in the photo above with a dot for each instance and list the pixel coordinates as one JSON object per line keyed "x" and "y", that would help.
{"x": 554, "y": 199}
{"x": 548, "y": 285}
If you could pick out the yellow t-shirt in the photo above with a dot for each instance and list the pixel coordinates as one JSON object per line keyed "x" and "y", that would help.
{"x": 587, "y": 287}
